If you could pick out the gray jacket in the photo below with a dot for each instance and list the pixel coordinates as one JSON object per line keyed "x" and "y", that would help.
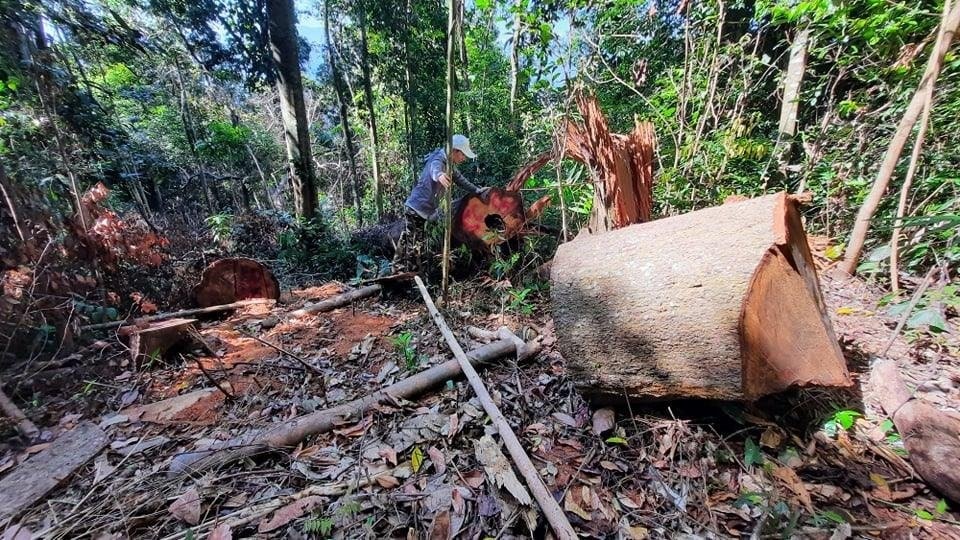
{"x": 425, "y": 196}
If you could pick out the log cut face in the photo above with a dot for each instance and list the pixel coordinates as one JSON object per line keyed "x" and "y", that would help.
{"x": 722, "y": 303}
{"x": 483, "y": 222}
{"x": 230, "y": 280}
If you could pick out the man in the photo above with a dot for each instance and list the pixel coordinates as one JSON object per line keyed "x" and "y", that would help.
{"x": 422, "y": 205}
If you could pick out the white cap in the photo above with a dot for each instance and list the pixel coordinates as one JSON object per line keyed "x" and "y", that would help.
{"x": 462, "y": 144}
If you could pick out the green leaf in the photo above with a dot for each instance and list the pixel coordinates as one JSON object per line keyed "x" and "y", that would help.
{"x": 617, "y": 440}
{"x": 834, "y": 252}
{"x": 941, "y": 507}
{"x": 931, "y": 317}
{"x": 751, "y": 453}
{"x": 846, "y": 418}
{"x": 416, "y": 459}
{"x": 923, "y": 514}
{"x": 483, "y": 5}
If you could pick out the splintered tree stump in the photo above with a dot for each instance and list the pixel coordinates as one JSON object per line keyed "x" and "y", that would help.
{"x": 230, "y": 280}
{"x": 483, "y": 222}
{"x": 722, "y": 303}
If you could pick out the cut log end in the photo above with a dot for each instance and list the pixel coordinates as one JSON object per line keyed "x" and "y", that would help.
{"x": 786, "y": 338}
{"x": 484, "y": 222}
{"x": 230, "y": 280}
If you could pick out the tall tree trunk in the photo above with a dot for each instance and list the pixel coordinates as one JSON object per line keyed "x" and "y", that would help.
{"x": 791, "y": 83}
{"x": 286, "y": 57}
{"x": 515, "y": 55}
{"x": 948, "y": 27}
{"x": 411, "y": 101}
{"x": 344, "y": 118}
{"x": 372, "y": 116}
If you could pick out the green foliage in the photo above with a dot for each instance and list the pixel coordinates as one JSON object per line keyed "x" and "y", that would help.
{"x": 842, "y": 419}
{"x": 403, "y": 343}
{"x": 220, "y": 227}
{"x": 318, "y": 525}
{"x": 751, "y": 453}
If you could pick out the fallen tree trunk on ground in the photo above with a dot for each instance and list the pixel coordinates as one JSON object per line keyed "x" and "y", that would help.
{"x": 340, "y": 300}
{"x": 175, "y": 314}
{"x": 293, "y": 431}
{"x": 931, "y": 436}
{"x": 234, "y": 279}
{"x": 722, "y": 303}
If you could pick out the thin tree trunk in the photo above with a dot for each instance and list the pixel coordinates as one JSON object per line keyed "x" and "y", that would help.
{"x": 344, "y": 118}
{"x": 948, "y": 27}
{"x": 11, "y": 205}
{"x": 186, "y": 118}
{"x": 411, "y": 103}
{"x": 372, "y": 115}
{"x": 453, "y": 8}
{"x": 904, "y": 195}
{"x": 792, "y": 81}
{"x": 515, "y": 55}
{"x": 286, "y": 57}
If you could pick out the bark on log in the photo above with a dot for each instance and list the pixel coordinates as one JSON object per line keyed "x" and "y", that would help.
{"x": 234, "y": 279}
{"x": 931, "y": 436}
{"x": 293, "y": 431}
{"x": 722, "y": 303}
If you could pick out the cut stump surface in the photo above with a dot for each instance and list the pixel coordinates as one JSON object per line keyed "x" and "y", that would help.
{"x": 230, "y": 280}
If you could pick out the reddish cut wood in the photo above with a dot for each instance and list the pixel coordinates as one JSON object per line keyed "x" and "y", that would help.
{"x": 722, "y": 303}
{"x": 230, "y": 280}
{"x": 483, "y": 222}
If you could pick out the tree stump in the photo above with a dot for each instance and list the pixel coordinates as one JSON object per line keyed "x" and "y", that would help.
{"x": 721, "y": 303}
{"x": 483, "y": 222}
{"x": 152, "y": 339}
{"x": 230, "y": 280}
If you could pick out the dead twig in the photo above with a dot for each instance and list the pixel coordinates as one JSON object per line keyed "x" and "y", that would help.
{"x": 229, "y": 395}
{"x": 281, "y": 350}
{"x": 554, "y": 514}
{"x": 906, "y": 313}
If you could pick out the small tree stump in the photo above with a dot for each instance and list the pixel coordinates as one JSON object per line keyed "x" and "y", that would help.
{"x": 155, "y": 338}
{"x": 722, "y": 303}
{"x": 230, "y": 280}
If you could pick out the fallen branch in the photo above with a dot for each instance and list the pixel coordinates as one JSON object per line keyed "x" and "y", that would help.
{"x": 181, "y": 313}
{"x": 281, "y": 350}
{"x": 24, "y": 425}
{"x": 292, "y": 431}
{"x": 554, "y": 514}
{"x": 931, "y": 436}
{"x": 339, "y": 301}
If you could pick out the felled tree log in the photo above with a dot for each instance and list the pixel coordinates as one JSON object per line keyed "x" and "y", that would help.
{"x": 230, "y": 280}
{"x": 483, "y": 222}
{"x": 722, "y": 303}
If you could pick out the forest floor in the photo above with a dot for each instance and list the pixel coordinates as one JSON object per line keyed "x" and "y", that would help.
{"x": 798, "y": 464}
